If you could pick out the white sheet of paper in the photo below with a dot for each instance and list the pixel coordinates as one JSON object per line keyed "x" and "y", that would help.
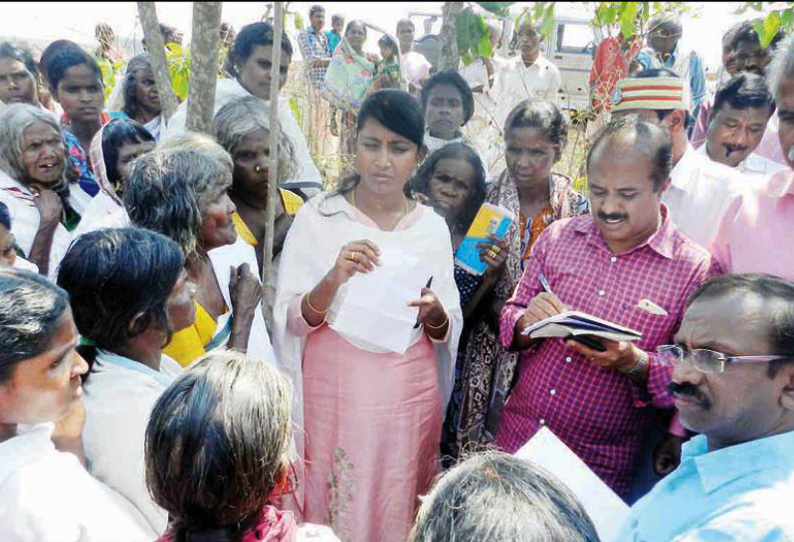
{"x": 375, "y": 310}
{"x": 606, "y": 509}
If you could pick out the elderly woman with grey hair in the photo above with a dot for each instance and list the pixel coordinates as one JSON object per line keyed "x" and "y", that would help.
{"x": 181, "y": 190}
{"x": 242, "y": 127}
{"x": 496, "y": 497}
{"x": 34, "y": 184}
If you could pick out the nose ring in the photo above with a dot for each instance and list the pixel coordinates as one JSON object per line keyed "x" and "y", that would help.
{"x": 257, "y": 168}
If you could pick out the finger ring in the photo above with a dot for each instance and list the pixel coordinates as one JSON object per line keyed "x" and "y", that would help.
{"x": 496, "y": 249}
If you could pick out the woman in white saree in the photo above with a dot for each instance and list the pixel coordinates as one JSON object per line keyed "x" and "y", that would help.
{"x": 370, "y": 360}
{"x": 181, "y": 190}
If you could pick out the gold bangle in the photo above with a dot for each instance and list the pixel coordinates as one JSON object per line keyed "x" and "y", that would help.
{"x": 428, "y": 326}
{"x": 309, "y": 303}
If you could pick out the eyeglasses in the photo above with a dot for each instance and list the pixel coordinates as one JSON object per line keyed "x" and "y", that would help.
{"x": 707, "y": 361}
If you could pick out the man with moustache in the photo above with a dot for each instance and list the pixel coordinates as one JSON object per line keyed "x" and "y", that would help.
{"x": 627, "y": 263}
{"x": 757, "y": 231}
{"x": 701, "y": 189}
{"x": 734, "y": 384}
{"x": 738, "y": 119}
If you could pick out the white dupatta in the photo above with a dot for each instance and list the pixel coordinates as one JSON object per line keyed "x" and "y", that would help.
{"x": 321, "y": 227}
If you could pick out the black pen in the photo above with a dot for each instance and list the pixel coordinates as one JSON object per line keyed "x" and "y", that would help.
{"x": 429, "y": 282}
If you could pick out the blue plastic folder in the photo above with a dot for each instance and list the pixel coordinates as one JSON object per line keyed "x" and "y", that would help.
{"x": 490, "y": 220}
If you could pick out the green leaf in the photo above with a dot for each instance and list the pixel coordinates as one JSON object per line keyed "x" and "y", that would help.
{"x": 771, "y": 26}
{"x": 299, "y": 23}
{"x": 502, "y": 9}
{"x": 628, "y": 19}
{"x": 787, "y": 19}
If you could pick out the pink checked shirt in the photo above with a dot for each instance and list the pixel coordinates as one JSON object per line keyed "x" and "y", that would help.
{"x": 599, "y": 413}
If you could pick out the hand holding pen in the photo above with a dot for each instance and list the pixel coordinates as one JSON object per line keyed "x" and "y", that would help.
{"x": 431, "y": 312}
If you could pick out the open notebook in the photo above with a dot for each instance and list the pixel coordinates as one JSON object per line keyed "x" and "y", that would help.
{"x": 577, "y": 324}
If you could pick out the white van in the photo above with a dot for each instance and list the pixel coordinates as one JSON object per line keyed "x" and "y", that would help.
{"x": 572, "y": 48}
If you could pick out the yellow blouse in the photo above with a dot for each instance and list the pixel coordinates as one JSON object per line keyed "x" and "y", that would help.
{"x": 187, "y": 346}
{"x": 292, "y": 202}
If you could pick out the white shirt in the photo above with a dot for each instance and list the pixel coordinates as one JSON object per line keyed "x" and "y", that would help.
{"x": 228, "y": 90}
{"x": 102, "y": 212}
{"x": 119, "y": 397}
{"x": 700, "y": 193}
{"x": 25, "y": 222}
{"x": 755, "y": 167}
{"x": 234, "y": 255}
{"x": 47, "y": 496}
{"x": 515, "y": 82}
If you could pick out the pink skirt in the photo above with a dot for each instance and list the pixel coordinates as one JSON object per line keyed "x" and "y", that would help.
{"x": 373, "y": 425}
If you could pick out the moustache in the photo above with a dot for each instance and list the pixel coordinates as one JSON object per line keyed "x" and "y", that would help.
{"x": 604, "y": 216}
{"x": 691, "y": 391}
{"x": 730, "y": 149}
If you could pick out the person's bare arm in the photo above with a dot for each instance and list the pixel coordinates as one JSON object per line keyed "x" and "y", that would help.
{"x": 50, "y": 209}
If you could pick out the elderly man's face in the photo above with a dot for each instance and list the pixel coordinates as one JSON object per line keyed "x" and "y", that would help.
{"x": 734, "y": 133}
{"x": 623, "y": 200}
{"x": 743, "y": 402}
{"x": 784, "y": 98}
{"x": 752, "y": 58}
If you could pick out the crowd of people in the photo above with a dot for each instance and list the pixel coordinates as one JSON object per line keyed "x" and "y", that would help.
{"x": 149, "y": 393}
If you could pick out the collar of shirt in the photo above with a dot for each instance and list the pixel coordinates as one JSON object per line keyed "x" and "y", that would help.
{"x": 721, "y": 467}
{"x": 120, "y": 361}
{"x": 780, "y": 184}
{"x": 661, "y": 241}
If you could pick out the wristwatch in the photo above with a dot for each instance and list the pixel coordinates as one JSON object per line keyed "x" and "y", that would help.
{"x": 639, "y": 366}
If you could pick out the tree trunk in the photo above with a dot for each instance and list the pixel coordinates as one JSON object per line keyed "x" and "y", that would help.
{"x": 204, "y": 47}
{"x": 450, "y": 60}
{"x": 273, "y": 181}
{"x": 156, "y": 51}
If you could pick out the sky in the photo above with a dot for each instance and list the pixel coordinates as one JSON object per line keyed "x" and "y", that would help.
{"x": 47, "y": 21}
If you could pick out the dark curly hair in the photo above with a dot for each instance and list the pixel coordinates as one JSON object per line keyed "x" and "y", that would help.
{"x": 544, "y": 117}
{"x": 420, "y": 182}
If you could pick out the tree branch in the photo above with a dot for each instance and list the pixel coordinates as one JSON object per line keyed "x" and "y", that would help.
{"x": 156, "y": 50}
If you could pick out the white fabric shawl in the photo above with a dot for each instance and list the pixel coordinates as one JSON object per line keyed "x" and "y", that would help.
{"x": 321, "y": 227}
{"x": 307, "y": 177}
{"x": 223, "y": 259}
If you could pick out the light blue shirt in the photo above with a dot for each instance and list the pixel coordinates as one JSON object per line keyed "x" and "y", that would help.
{"x": 743, "y": 493}
{"x": 697, "y": 77}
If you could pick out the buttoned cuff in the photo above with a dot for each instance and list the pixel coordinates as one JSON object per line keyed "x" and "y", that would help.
{"x": 654, "y": 392}
{"x": 507, "y": 324}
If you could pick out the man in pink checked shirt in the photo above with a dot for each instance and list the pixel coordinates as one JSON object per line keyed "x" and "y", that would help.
{"x": 627, "y": 263}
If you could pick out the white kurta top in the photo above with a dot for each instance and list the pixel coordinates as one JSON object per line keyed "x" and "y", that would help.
{"x": 119, "y": 397}
{"x": 25, "y": 222}
{"x": 47, "y": 496}
{"x": 307, "y": 177}
{"x": 514, "y": 82}
{"x": 700, "y": 193}
{"x": 321, "y": 227}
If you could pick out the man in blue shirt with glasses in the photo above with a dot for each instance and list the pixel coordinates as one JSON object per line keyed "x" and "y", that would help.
{"x": 733, "y": 382}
